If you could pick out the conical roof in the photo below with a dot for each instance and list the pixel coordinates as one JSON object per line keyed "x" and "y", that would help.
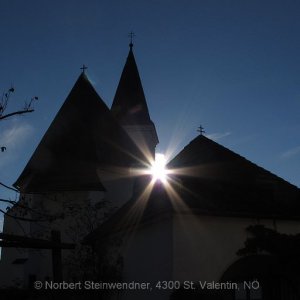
{"x": 129, "y": 104}
{"x": 82, "y": 137}
{"x": 217, "y": 180}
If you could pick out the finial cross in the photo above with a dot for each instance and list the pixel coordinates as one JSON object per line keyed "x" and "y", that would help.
{"x": 83, "y": 68}
{"x": 201, "y": 130}
{"x": 131, "y": 35}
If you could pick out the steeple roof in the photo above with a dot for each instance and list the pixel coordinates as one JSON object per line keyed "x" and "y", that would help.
{"x": 129, "y": 104}
{"x": 82, "y": 137}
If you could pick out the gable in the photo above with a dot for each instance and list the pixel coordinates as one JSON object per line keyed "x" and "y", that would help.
{"x": 214, "y": 179}
{"x": 83, "y": 137}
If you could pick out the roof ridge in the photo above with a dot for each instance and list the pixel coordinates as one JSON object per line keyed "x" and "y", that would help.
{"x": 238, "y": 156}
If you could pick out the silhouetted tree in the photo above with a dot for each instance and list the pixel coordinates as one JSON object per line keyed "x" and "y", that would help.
{"x": 284, "y": 248}
{"x": 262, "y": 239}
{"x": 82, "y": 218}
{"x": 4, "y": 115}
{"x": 28, "y": 106}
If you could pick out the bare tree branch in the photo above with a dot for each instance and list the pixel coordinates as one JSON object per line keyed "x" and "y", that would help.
{"x": 20, "y": 112}
{"x": 8, "y": 201}
{"x": 17, "y": 204}
{"x": 19, "y": 218}
{"x": 8, "y": 187}
{"x": 28, "y": 107}
{"x": 46, "y": 219}
{"x": 5, "y": 99}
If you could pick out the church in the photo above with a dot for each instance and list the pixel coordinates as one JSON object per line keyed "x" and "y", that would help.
{"x": 177, "y": 238}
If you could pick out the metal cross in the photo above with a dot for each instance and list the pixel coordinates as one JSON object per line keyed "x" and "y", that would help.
{"x": 83, "y": 68}
{"x": 201, "y": 130}
{"x": 131, "y": 35}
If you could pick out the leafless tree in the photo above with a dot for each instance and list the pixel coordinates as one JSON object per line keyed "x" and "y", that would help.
{"x": 28, "y": 106}
{"x": 4, "y": 115}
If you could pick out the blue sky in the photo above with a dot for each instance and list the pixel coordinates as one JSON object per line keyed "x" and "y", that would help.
{"x": 232, "y": 66}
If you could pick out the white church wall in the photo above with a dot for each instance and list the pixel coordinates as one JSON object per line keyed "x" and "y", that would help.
{"x": 76, "y": 216}
{"x": 12, "y": 274}
{"x": 72, "y": 217}
{"x": 205, "y": 246}
{"x": 39, "y": 265}
{"x": 148, "y": 258}
{"x": 119, "y": 187}
{"x": 186, "y": 247}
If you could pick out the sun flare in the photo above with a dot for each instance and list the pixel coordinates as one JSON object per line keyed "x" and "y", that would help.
{"x": 158, "y": 168}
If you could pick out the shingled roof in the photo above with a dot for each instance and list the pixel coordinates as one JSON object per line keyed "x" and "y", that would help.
{"x": 82, "y": 137}
{"x": 214, "y": 179}
{"x": 210, "y": 180}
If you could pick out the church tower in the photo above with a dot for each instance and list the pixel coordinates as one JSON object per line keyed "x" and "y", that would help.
{"x": 130, "y": 108}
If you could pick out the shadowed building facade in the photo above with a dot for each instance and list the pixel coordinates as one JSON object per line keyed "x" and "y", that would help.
{"x": 187, "y": 230}
{"x": 192, "y": 228}
{"x": 83, "y": 164}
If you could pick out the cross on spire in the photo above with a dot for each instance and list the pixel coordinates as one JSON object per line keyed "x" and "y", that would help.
{"x": 131, "y": 35}
{"x": 201, "y": 130}
{"x": 83, "y": 68}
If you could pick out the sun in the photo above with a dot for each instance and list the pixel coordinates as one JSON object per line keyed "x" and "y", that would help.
{"x": 158, "y": 168}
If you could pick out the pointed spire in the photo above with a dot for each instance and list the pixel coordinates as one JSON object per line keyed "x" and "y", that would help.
{"x": 129, "y": 104}
{"x": 131, "y": 35}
